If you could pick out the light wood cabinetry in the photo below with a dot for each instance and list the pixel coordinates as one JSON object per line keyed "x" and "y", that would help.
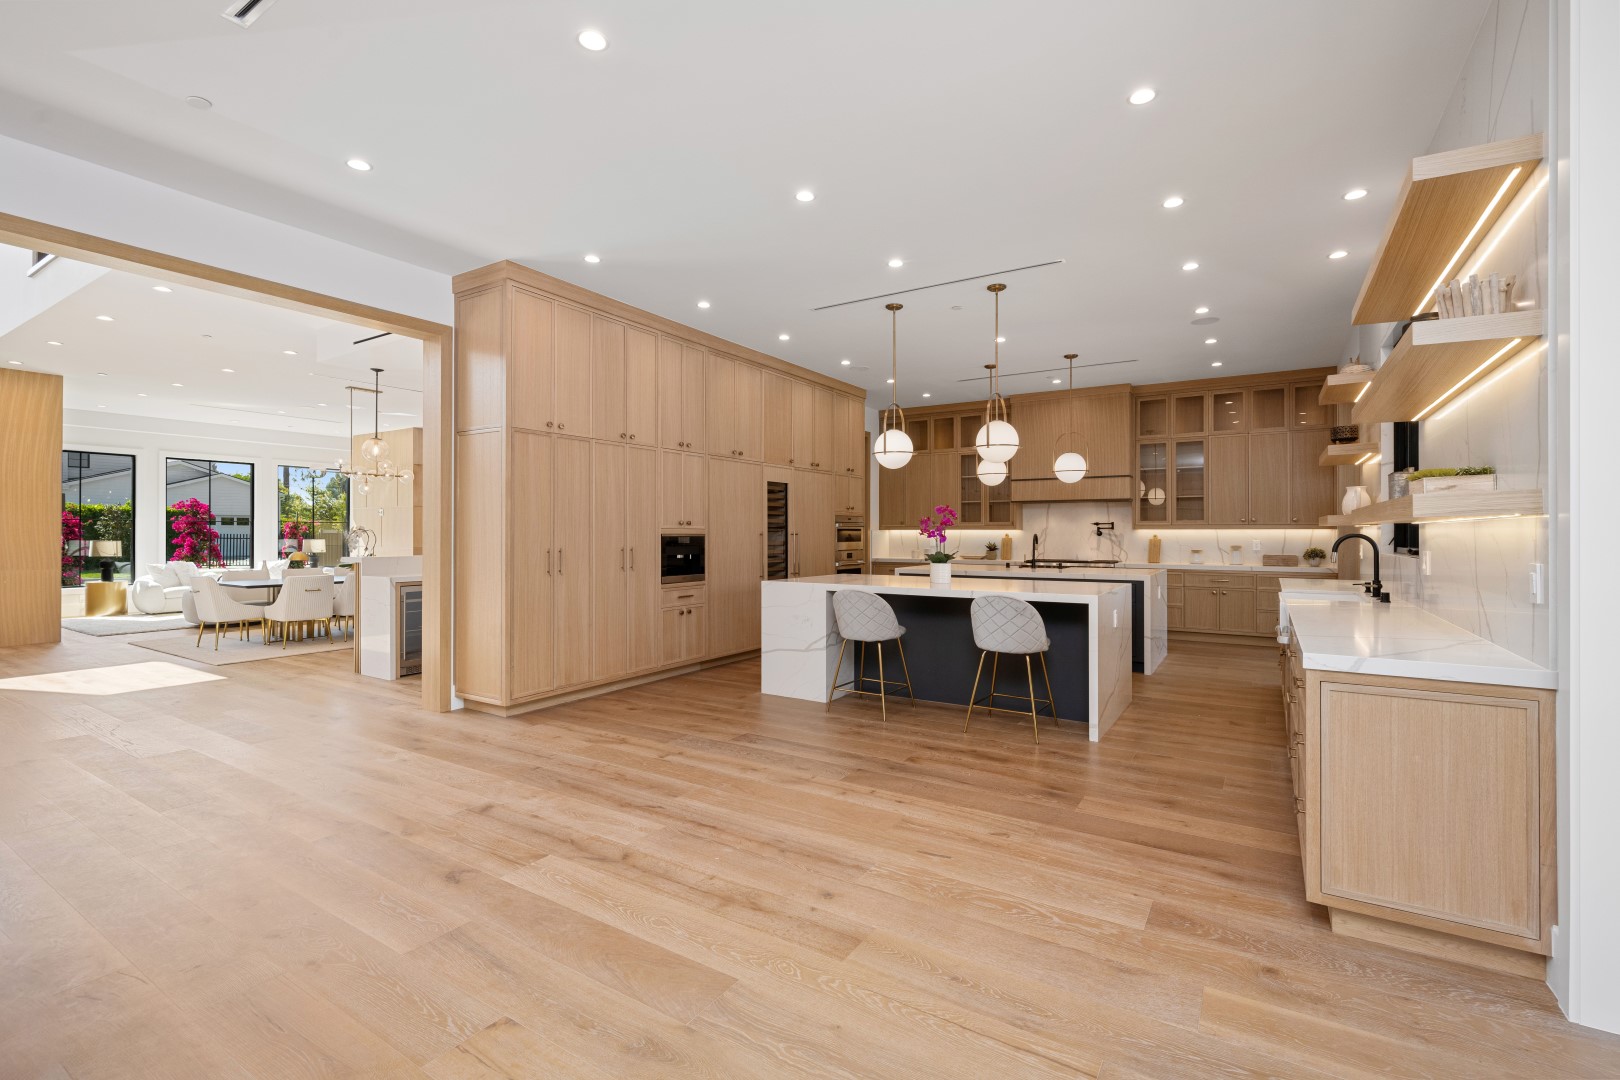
{"x": 736, "y": 554}
{"x": 570, "y": 412}
{"x": 572, "y": 543}
{"x": 1426, "y": 803}
{"x": 892, "y": 496}
{"x": 1312, "y": 488}
{"x": 624, "y": 382}
{"x": 610, "y": 583}
{"x": 30, "y": 506}
{"x": 849, "y": 495}
{"x": 682, "y": 632}
{"x": 736, "y": 401}
{"x": 811, "y": 517}
{"x": 848, "y": 435}
{"x": 531, "y": 586}
{"x": 1095, "y": 423}
{"x": 822, "y": 451}
{"x": 778, "y": 436}
{"x": 683, "y": 491}
{"x": 642, "y": 548}
{"x": 683, "y": 401}
{"x": 1227, "y": 478}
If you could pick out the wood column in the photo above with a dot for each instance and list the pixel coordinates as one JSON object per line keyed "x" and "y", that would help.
{"x": 30, "y": 508}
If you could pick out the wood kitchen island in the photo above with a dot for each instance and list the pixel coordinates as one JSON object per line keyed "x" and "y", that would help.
{"x": 1089, "y": 624}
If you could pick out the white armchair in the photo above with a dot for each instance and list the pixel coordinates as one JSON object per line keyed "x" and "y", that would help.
{"x": 343, "y": 605}
{"x": 305, "y": 601}
{"x": 162, "y": 590}
{"x": 217, "y": 609}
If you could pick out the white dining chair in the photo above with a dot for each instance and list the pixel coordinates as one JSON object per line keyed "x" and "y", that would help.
{"x": 216, "y": 608}
{"x": 867, "y": 617}
{"x": 343, "y": 606}
{"x": 1005, "y": 624}
{"x": 305, "y": 602}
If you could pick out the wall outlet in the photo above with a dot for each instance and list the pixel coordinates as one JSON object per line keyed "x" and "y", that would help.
{"x": 1254, "y": 545}
{"x": 1116, "y": 617}
{"x": 1425, "y": 561}
{"x": 1537, "y": 577}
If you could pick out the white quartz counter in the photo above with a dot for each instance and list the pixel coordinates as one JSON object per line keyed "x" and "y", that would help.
{"x": 1071, "y": 591}
{"x": 1253, "y": 568}
{"x": 1355, "y": 635}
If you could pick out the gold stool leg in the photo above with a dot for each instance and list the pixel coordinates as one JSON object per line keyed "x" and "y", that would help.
{"x": 1029, "y": 673}
{"x": 860, "y": 676}
{"x": 1050, "y": 700}
{"x": 995, "y": 663}
{"x": 883, "y": 687}
{"x": 975, "y": 695}
{"x": 900, "y": 644}
{"x": 837, "y": 671}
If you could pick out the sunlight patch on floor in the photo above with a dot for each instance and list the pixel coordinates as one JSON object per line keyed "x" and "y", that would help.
{"x": 107, "y": 681}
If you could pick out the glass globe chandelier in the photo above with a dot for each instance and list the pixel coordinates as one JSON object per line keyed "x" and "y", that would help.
{"x": 892, "y": 448}
{"x": 373, "y": 465}
{"x": 1070, "y": 465}
{"x": 997, "y": 440}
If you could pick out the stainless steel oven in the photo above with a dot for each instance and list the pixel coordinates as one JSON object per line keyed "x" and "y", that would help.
{"x": 680, "y": 558}
{"x": 849, "y": 544}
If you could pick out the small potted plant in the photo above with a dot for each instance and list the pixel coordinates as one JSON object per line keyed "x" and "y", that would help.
{"x": 1467, "y": 478}
{"x": 1314, "y": 556}
{"x": 990, "y": 549}
{"x": 933, "y": 527}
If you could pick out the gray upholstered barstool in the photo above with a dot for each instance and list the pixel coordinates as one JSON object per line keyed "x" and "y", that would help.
{"x": 867, "y": 617}
{"x": 1003, "y": 624}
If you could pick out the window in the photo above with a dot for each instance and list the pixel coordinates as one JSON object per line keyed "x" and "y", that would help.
{"x": 313, "y": 505}
{"x": 225, "y": 489}
{"x": 98, "y": 504}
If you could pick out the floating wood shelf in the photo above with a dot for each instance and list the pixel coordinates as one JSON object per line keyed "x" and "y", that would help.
{"x": 1346, "y": 453}
{"x": 1437, "y": 358}
{"x": 1448, "y": 202}
{"x": 1441, "y": 506}
{"x": 1344, "y": 389}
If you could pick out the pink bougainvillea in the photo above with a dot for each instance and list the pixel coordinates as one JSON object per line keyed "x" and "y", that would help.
{"x": 72, "y": 535}
{"x": 293, "y": 535}
{"x": 194, "y": 539}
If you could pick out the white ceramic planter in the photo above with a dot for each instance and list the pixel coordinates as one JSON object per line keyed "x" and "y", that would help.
{"x": 939, "y": 573}
{"x": 1431, "y": 484}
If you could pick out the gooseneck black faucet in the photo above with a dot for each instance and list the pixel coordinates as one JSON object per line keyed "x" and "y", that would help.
{"x": 1375, "y": 587}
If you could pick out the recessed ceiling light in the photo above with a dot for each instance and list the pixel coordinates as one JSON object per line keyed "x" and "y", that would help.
{"x": 888, "y": 380}
{"x": 104, "y": 318}
{"x": 281, "y": 412}
{"x": 928, "y": 395}
{"x": 289, "y": 352}
{"x": 228, "y": 371}
{"x": 320, "y": 404}
{"x": 1189, "y": 266}
{"x": 805, "y": 195}
{"x": 140, "y": 395}
{"x": 101, "y": 374}
{"x": 1173, "y": 201}
{"x": 895, "y": 264}
{"x": 593, "y": 258}
{"x": 1142, "y": 96}
{"x": 101, "y": 406}
{"x": 1055, "y": 382}
{"x": 1215, "y": 363}
{"x": 703, "y": 304}
{"x": 161, "y": 288}
{"x": 359, "y": 164}
{"x": 1001, "y": 341}
{"x": 53, "y": 343}
{"x": 1209, "y": 341}
{"x": 593, "y": 40}
{"x": 1337, "y": 254}
{"x": 1355, "y": 193}
{"x": 198, "y": 102}
{"x": 15, "y": 363}
{"x": 781, "y": 337}
{"x": 844, "y": 362}
{"x": 177, "y": 384}
{"x": 1200, "y": 311}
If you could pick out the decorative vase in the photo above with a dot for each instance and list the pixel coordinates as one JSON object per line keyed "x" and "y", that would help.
{"x": 939, "y": 573}
{"x": 1355, "y": 497}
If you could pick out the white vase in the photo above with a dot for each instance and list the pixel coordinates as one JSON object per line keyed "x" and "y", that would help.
{"x": 939, "y": 573}
{"x": 1355, "y": 498}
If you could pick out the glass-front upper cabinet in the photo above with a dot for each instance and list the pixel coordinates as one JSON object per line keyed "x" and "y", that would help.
{"x": 1189, "y": 481}
{"x": 1229, "y": 411}
{"x": 1190, "y": 414}
{"x": 1152, "y": 418}
{"x": 1268, "y": 408}
{"x": 1152, "y": 483}
{"x": 1308, "y": 409}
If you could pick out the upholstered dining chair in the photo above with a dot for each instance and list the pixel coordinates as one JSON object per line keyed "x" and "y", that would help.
{"x": 216, "y": 608}
{"x": 305, "y": 602}
{"x": 1005, "y": 624}
{"x": 343, "y": 606}
{"x": 867, "y": 618}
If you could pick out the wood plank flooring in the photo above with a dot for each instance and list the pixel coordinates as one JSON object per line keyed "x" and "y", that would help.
{"x": 282, "y": 870}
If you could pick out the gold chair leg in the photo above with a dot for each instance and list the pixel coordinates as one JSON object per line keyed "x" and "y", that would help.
{"x": 200, "y": 625}
{"x": 995, "y": 664}
{"x": 837, "y": 671}
{"x": 975, "y": 695}
{"x": 218, "y": 629}
{"x": 901, "y": 645}
{"x": 1050, "y": 700}
{"x": 883, "y": 687}
{"x": 860, "y": 675}
{"x": 1029, "y": 673}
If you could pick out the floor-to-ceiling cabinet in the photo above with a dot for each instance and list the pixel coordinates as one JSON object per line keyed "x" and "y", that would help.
{"x": 736, "y": 554}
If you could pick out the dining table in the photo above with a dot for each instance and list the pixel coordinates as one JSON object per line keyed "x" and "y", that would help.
{"x": 273, "y": 584}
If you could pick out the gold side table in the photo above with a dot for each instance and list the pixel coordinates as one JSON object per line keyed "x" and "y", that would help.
{"x": 104, "y": 598}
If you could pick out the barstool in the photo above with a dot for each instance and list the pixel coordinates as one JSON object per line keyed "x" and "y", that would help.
{"x": 867, "y": 617}
{"x": 1002, "y": 624}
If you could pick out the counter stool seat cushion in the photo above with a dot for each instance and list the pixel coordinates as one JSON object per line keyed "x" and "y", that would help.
{"x": 865, "y": 616}
{"x": 1004, "y": 624}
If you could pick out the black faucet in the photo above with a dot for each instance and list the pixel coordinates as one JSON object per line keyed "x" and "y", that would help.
{"x": 1034, "y": 549}
{"x": 1374, "y": 588}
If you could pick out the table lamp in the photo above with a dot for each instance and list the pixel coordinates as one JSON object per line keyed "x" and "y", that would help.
{"x": 315, "y": 548}
{"x": 106, "y": 551}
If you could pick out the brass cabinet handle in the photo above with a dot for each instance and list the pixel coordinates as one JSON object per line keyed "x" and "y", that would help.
{"x": 1299, "y": 805}
{"x": 632, "y": 560}
{"x": 632, "y": 436}
{"x": 548, "y": 423}
{"x": 621, "y": 558}
{"x": 562, "y": 427}
{"x": 559, "y": 560}
{"x": 621, "y": 434}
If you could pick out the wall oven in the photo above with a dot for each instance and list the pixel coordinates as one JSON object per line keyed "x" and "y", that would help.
{"x": 849, "y": 544}
{"x": 680, "y": 558}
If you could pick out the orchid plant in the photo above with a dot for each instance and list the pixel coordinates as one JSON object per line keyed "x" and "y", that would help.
{"x": 934, "y": 528}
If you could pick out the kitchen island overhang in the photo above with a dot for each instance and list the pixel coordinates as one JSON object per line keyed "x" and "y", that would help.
{"x": 1089, "y": 624}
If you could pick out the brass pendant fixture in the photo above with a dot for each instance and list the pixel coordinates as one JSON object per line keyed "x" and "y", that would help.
{"x": 892, "y": 448}
{"x": 997, "y": 440}
{"x": 373, "y": 464}
{"x": 1070, "y": 465}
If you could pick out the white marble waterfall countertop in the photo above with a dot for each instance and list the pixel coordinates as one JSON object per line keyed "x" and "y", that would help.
{"x": 969, "y": 568}
{"x": 1252, "y": 568}
{"x": 1072, "y": 592}
{"x": 1355, "y": 635}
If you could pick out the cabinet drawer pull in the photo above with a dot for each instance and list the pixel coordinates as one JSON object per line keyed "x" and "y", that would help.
{"x": 1299, "y": 805}
{"x": 686, "y": 596}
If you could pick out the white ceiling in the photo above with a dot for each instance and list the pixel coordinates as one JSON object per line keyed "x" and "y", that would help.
{"x": 962, "y": 137}
{"x": 189, "y": 336}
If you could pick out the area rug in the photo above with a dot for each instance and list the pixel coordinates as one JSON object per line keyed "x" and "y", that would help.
{"x": 116, "y": 625}
{"x": 235, "y": 651}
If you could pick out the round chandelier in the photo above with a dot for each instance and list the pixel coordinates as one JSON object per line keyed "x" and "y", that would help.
{"x": 997, "y": 439}
{"x": 1070, "y": 465}
{"x": 892, "y": 448}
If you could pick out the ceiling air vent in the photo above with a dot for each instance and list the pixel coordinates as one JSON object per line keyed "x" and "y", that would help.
{"x": 243, "y": 12}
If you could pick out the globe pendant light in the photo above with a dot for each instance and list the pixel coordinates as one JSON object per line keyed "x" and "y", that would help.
{"x": 375, "y": 448}
{"x": 1070, "y": 466}
{"x": 997, "y": 440}
{"x": 892, "y": 448}
{"x": 991, "y": 473}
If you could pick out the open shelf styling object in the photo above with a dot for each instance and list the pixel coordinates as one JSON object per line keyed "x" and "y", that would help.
{"x": 1435, "y": 360}
{"x": 1447, "y": 204}
{"x": 1442, "y": 506}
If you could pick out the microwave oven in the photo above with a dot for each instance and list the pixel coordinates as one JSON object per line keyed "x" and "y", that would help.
{"x": 680, "y": 558}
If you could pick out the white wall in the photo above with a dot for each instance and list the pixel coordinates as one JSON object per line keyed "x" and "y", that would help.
{"x": 152, "y": 441}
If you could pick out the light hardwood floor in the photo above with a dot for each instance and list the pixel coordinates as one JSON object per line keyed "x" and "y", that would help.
{"x": 290, "y": 871}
